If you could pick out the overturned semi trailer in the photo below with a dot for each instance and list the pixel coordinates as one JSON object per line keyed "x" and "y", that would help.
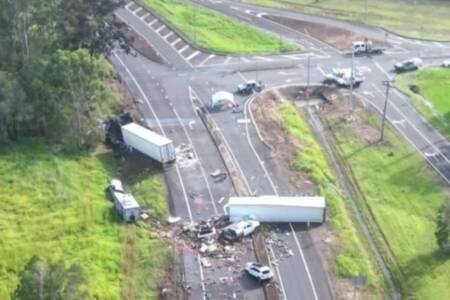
{"x": 274, "y": 209}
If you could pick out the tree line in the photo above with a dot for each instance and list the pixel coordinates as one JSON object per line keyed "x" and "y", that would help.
{"x": 54, "y": 80}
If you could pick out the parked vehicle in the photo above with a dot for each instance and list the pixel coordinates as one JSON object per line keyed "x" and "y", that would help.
{"x": 239, "y": 230}
{"x": 205, "y": 231}
{"x": 248, "y": 87}
{"x": 366, "y": 48}
{"x": 446, "y": 64}
{"x": 149, "y": 143}
{"x": 408, "y": 65}
{"x": 258, "y": 271}
{"x": 274, "y": 209}
{"x": 343, "y": 78}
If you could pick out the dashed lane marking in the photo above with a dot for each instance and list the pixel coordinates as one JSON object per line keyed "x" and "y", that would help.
{"x": 160, "y": 28}
{"x": 206, "y": 60}
{"x": 152, "y": 22}
{"x": 193, "y": 55}
{"x": 168, "y": 35}
{"x": 145, "y": 16}
{"x": 175, "y": 42}
{"x": 183, "y": 49}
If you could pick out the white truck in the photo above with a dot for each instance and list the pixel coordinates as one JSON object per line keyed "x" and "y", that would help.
{"x": 149, "y": 143}
{"x": 275, "y": 209}
{"x": 366, "y": 48}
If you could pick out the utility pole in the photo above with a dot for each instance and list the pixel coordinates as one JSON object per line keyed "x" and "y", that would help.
{"x": 387, "y": 83}
{"x": 279, "y": 47}
{"x": 352, "y": 78}
{"x": 365, "y": 11}
{"x": 194, "y": 29}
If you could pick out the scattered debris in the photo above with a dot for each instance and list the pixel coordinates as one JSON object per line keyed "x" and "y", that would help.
{"x": 173, "y": 220}
{"x": 185, "y": 156}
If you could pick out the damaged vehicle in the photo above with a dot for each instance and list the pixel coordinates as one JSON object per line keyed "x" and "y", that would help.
{"x": 239, "y": 230}
{"x": 205, "y": 231}
{"x": 115, "y": 187}
{"x": 343, "y": 78}
{"x": 248, "y": 87}
{"x": 258, "y": 271}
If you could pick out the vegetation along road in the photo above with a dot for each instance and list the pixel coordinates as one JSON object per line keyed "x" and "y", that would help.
{"x": 416, "y": 19}
{"x": 214, "y": 31}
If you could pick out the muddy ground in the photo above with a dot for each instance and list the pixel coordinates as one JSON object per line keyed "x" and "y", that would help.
{"x": 137, "y": 42}
{"x": 338, "y": 38}
{"x": 330, "y": 103}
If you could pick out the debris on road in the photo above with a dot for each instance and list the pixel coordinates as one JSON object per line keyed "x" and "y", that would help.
{"x": 173, "y": 220}
{"x": 185, "y": 156}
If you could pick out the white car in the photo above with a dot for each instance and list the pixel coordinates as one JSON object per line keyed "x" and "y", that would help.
{"x": 240, "y": 229}
{"x": 446, "y": 64}
{"x": 258, "y": 271}
{"x": 408, "y": 65}
{"x": 344, "y": 78}
{"x": 115, "y": 187}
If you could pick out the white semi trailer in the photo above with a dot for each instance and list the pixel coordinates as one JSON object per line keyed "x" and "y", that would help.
{"x": 148, "y": 142}
{"x": 274, "y": 209}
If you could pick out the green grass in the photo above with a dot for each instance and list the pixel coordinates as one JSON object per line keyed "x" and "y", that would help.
{"x": 53, "y": 205}
{"x": 351, "y": 259}
{"x": 433, "y": 101}
{"x": 404, "y": 196}
{"x": 418, "y": 19}
{"x": 214, "y": 31}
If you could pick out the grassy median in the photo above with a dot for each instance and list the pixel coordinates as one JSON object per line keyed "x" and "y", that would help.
{"x": 351, "y": 258}
{"x": 53, "y": 206}
{"x": 404, "y": 196}
{"x": 417, "y": 19}
{"x": 214, "y": 31}
{"x": 429, "y": 91}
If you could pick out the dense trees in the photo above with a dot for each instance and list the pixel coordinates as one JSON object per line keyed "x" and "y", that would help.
{"x": 53, "y": 80}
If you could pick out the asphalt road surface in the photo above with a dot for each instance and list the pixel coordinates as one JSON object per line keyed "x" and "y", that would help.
{"x": 165, "y": 91}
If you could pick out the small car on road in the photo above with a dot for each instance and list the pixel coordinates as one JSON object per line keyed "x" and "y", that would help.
{"x": 205, "y": 231}
{"x": 343, "y": 78}
{"x": 446, "y": 64}
{"x": 258, "y": 271}
{"x": 248, "y": 87}
{"x": 408, "y": 65}
{"x": 239, "y": 230}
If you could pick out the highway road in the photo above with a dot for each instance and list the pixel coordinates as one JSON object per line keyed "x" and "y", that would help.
{"x": 165, "y": 93}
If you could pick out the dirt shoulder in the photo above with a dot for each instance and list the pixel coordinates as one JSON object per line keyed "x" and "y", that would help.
{"x": 338, "y": 38}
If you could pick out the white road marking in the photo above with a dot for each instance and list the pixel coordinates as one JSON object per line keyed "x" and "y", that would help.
{"x": 160, "y": 28}
{"x": 262, "y": 58}
{"x": 227, "y": 60}
{"x": 144, "y": 16}
{"x": 381, "y": 69}
{"x": 399, "y": 122}
{"x": 193, "y": 55}
{"x": 319, "y": 68}
{"x": 168, "y": 35}
{"x": 129, "y": 4}
{"x": 243, "y": 121}
{"x": 152, "y": 22}
{"x": 244, "y": 59}
{"x": 137, "y": 10}
{"x": 175, "y": 42}
{"x": 183, "y": 49}
{"x": 242, "y": 76}
{"x": 206, "y": 60}
{"x": 260, "y": 15}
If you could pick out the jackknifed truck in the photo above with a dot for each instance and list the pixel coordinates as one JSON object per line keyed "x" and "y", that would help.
{"x": 149, "y": 143}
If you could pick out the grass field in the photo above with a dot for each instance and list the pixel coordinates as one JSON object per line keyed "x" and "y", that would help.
{"x": 417, "y": 19}
{"x": 214, "y": 31}
{"x": 351, "y": 259}
{"x": 404, "y": 195}
{"x": 433, "y": 102}
{"x": 53, "y": 206}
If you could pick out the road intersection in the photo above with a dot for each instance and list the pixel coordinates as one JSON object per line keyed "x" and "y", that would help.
{"x": 166, "y": 90}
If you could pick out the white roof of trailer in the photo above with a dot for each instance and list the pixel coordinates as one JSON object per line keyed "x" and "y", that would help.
{"x": 126, "y": 200}
{"x": 147, "y": 134}
{"x": 315, "y": 202}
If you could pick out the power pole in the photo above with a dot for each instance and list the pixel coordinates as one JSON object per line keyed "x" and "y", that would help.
{"x": 387, "y": 83}
{"x": 194, "y": 29}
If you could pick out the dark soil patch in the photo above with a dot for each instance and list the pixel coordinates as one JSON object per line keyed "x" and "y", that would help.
{"x": 338, "y": 38}
{"x": 137, "y": 42}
